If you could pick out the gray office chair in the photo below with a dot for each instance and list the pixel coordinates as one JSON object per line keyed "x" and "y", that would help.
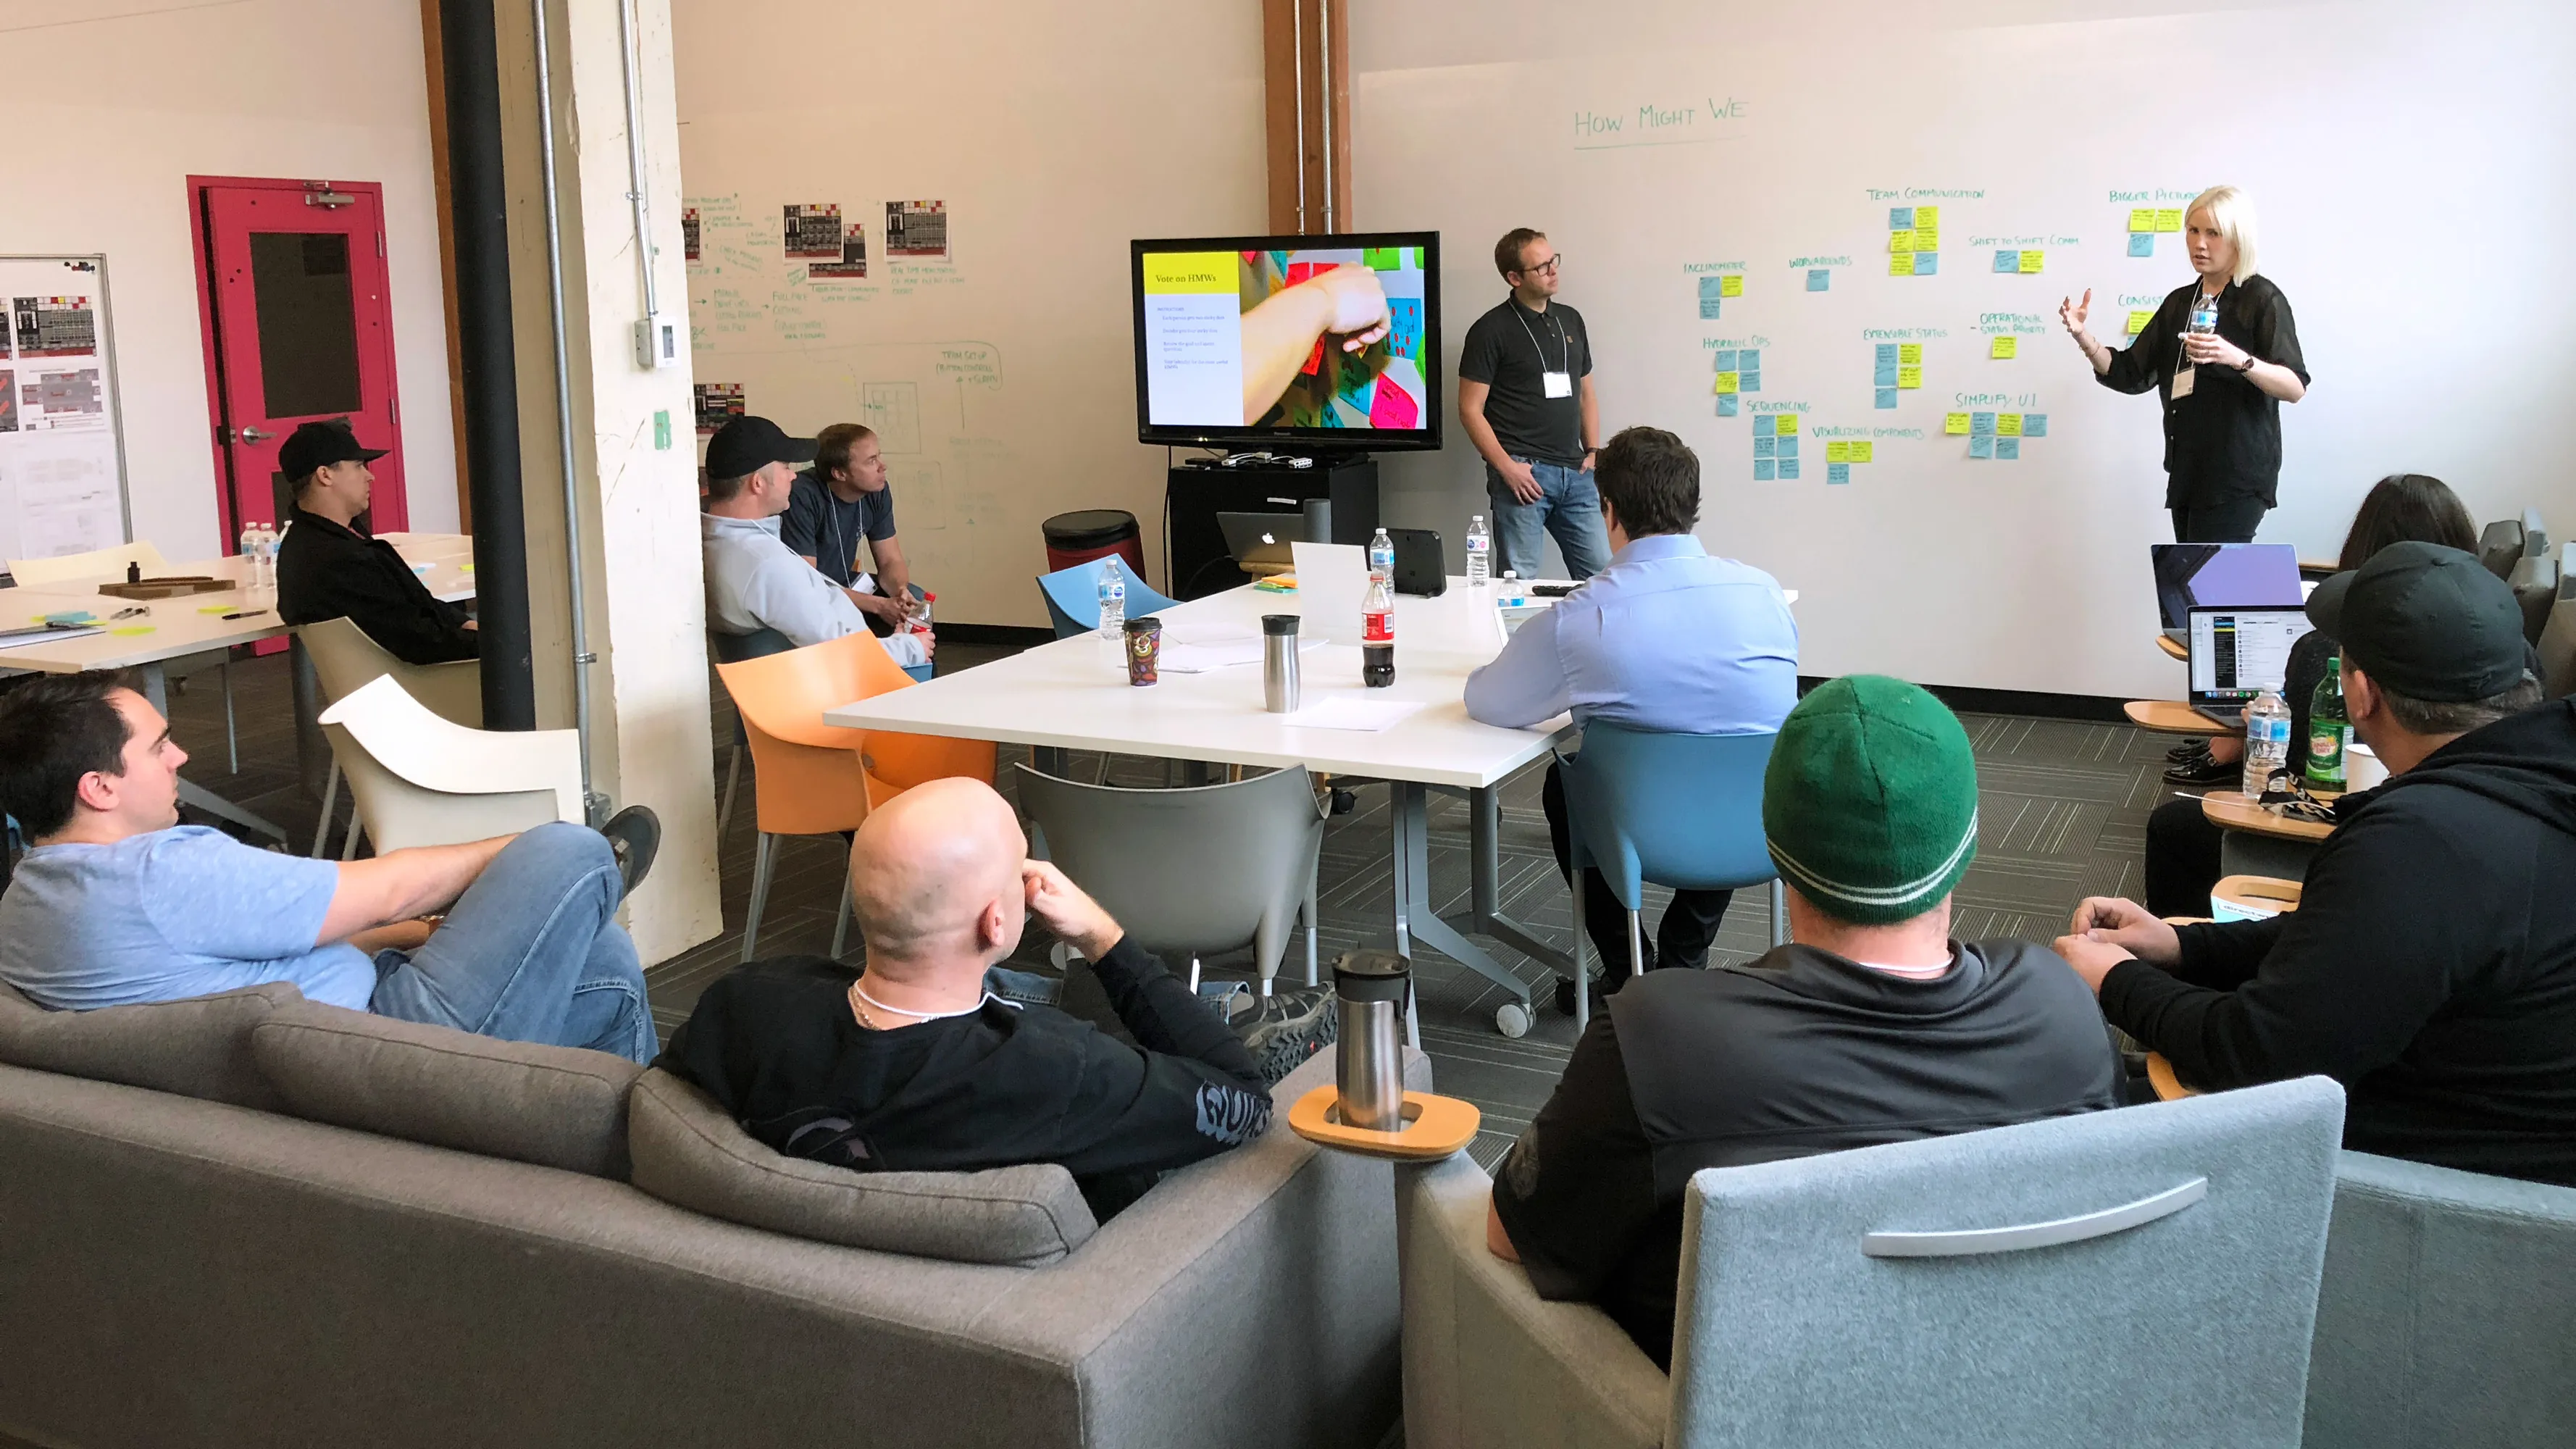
{"x": 2557, "y": 642}
{"x": 2140, "y": 1276}
{"x": 2534, "y": 580}
{"x": 2500, "y": 546}
{"x": 1194, "y": 871}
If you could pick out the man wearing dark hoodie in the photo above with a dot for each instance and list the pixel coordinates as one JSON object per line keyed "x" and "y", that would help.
{"x": 2431, "y": 965}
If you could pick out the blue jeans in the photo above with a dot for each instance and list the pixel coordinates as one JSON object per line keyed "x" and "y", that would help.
{"x": 1568, "y": 506}
{"x": 530, "y": 953}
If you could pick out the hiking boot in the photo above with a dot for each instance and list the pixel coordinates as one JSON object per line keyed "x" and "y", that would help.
{"x": 635, "y": 834}
{"x": 1287, "y": 1028}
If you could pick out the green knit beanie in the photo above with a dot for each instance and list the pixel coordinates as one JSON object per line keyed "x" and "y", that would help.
{"x": 1870, "y": 800}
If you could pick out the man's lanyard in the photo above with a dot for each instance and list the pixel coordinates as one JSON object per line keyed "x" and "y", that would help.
{"x": 1565, "y": 341}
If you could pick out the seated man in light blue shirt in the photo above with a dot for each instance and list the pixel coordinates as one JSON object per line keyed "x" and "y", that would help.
{"x": 117, "y": 903}
{"x": 754, "y": 581}
{"x": 1666, "y": 638}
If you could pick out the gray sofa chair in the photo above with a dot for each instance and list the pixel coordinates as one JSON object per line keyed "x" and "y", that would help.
{"x": 252, "y": 1220}
{"x": 2161, "y": 1290}
{"x": 2448, "y": 1314}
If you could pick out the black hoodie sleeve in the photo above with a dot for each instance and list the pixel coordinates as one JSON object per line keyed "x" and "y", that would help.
{"x": 1193, "y": 1092}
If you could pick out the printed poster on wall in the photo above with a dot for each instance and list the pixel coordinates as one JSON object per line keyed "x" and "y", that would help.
{"x": 916, "y": 229}
{"x": 853, "y": 260}
{"x": 718, "y": 403}
{"x": 814, "y": 233}
{"x": 62, "y": 477}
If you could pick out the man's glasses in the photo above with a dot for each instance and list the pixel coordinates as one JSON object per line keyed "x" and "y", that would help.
{"x": 1547, "y": 267}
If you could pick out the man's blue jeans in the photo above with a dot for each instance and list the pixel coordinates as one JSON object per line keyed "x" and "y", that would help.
{"x": 530, "y": 953}
{"x": 1568, "y": 506}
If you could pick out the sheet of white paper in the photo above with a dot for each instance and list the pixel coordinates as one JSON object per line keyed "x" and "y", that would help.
{"x": 1353, "y": 712}
{"x": 1198, "y": 656}
{"x": 1331, "y": 579}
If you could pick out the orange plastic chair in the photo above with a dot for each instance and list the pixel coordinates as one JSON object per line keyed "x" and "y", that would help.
{"x": 811, "y": 778}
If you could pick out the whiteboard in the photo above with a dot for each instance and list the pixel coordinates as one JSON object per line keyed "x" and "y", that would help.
{"x": 2410, "y": 179}
{"x": 62, "y": 448}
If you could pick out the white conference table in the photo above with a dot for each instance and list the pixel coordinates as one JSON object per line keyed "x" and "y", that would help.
{"x": 191, "y": 624}
{"x": 1073, "y": 694}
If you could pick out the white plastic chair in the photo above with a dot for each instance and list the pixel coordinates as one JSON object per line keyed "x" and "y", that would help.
{"x": 418, "y": 779}
{"x": 345, "y": 660}
{"x": 108, "y": 565}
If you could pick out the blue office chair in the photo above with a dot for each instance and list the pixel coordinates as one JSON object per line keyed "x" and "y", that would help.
{"x": 1073, "y": 597}
{"x": 1679, "y": 810}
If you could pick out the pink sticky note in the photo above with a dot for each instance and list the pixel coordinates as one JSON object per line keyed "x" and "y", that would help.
{"x": 1392, "y": 407}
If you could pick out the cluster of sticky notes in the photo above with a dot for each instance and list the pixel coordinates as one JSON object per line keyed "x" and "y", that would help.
{"x": 1775, "y": 448}
{"x": 1713, "y": 291}
{"x": 1996, "y": 435}
{"x": 1839, "y": 458}
{"x": 2003, "y": 346}
{"x": 2138, "y": 320}
{"x": 2028, "y": 263}
{"x": 2145, "y": 222}
{"x": 1899, "y": 366}
{"x": 1739, "y": 369}
{"x": 1913, "y": 243}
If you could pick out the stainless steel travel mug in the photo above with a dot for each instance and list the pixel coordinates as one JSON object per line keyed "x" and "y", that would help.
{"x": 1279, "y": 679}
{"x": 1369, "y": 989}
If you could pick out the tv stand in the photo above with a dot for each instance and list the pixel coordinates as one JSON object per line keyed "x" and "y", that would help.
{"x": 1195, "y": 495}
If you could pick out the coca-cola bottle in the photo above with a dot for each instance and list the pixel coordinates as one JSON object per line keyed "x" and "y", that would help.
{"x": 1377, "y": 635}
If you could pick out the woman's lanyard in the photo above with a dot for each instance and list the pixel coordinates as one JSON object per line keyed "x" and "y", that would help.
{"x": 1552, "y": 384}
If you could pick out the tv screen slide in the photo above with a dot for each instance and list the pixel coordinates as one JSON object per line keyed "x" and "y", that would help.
{"x": 1274, "y": 338}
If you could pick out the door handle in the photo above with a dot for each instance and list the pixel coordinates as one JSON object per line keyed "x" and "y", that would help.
{"x": 254, "y": 435}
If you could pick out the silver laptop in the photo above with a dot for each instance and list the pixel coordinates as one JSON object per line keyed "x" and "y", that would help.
{"x": 2229, "y": 575}
{"x": 1263, "y": 538}
{"x": 2236, "y": 654}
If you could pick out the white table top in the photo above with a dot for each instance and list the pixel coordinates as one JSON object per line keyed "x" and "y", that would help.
{"x": 192, "y": 623}
{"x": 1073, "y": 693}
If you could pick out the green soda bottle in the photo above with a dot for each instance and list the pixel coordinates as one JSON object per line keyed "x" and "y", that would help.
{"x": 2328, "y": 729}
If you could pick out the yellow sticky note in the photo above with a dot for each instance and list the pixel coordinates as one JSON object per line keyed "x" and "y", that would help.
{"x": 1729, "y": 382}
{"x": 2030, "y": 261}
{"x": 1901, "y": 240}
{"x": 2007, "y": 425}
{"x": 1900, "y": 264}
{"x": 1860, "y": 452}
{"x": 2138, "y": 321}
{"x": 1926, "y": 216}
{"x": 131, "y": 630}
{"x": 1927, "y": 238}
{"x": 1837, "y": 452}
{"x": 2142, "y": 219}
{"x": 217, "y": 608}
{"x": 2169, "y": 219}
{"x": 2005, "y": 347}
{"x": 1909, "y": 377}
{"x": 1955, "y": 423}
{"x": 1785, "y": 424}
{"x": 1910, "y": 353}
{"x": 1731, "y": 285}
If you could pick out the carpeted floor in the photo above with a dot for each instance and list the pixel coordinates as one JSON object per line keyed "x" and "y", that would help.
{"x": 2063, "y": 805}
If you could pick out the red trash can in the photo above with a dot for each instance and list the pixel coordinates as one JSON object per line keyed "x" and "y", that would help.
{"x": 1089, "y": 533}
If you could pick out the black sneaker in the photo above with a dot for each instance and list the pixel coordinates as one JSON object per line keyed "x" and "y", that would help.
{"x": 2206, "y": 773}
{"x": 635, "y": 834}
{"x": 1287, "y": 1028}
{"x": 2195, "y": 748}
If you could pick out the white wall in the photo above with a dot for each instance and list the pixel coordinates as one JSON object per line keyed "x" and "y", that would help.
{"x": 1055, "y": 134}
{"x": 110, "y": 105}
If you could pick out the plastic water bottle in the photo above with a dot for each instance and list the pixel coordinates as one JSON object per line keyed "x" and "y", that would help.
{"x": 1382, "y": 557}
{"x": 268, "y": 542}
{"x": 1480, "y": 552}
{"x": 1113, "y": 603}
{"x": 249, "y": 551}
{"x": 2267, "y": 741}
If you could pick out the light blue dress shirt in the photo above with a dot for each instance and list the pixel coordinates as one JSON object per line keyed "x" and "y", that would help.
{"x": 1666, "y": 638}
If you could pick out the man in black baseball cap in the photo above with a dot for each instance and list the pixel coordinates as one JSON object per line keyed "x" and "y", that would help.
{"x": 754, "y": 581}
{"x": 328, "y": 569}
{"x": 2430, "y": 965}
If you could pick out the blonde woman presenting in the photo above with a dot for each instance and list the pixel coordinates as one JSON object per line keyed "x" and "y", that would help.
{"x": 2221, "y": 355}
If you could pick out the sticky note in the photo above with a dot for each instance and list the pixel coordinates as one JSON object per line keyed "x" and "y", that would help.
{"x": 1749, "y": 381}
{"x": 2142, "y": 243}
{"x": 1725, "y": 359}
{"x": 1708, "y": 288}
{"x": 1900, "y": 218}
{"x": 130, "y": 630}
{"x": 1909, "y": 377}
{"x": 1785, "y": 447}
{"x": 2007, "y": 450}
{"x": 2142, "y": 218}
{"x": 1926, "y": 216}
{"x": 1910, "y": 353}
{"x": 2007, "y": 260}
{"x": 1729, "y": 382}
{"x": 1926, "y": 263}
{"x": 2007, "y": 425}
{"x": 2004, "y": 347}
{"x": 1785, "y": 424}
{"x": 1886, "y": 397}
{"x": 1766, "y": 447}
{"x": 1927, "y": 239}
{"x": 1955, "y": 424}
{"x": 2138, "y": 321}
{"x": 1763, "y": 470}
{"x": 1819, "y": 279}
{"x": 217, "y": 609}
{"x": 2034, "y": 425}
{"x": 1900, "y": 264}
{"x": 1751, "y": 360}
{"x": 1727, "y": 406}
{"x": 1731, "y": 285}
{"x": 1838, "y": 472}
{"x": 1860, "y": 452}
{"x": 1709, "y": 307}
{"x": 2169, "y": 219}
{"x": 1981, "y": 446}
{"x": 1981, "y": 424}
{"x": 1886, "y": 352}
{"x": 1837, "y": 452}
{"x": 1788, "y": 470}
{"x": 1901, "y": 241}
{"x": 2031, "y": 262}
{"x": 1884, "y": 375}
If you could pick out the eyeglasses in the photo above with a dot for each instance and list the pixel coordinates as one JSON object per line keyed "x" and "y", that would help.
{"x": 1547, "y": 267}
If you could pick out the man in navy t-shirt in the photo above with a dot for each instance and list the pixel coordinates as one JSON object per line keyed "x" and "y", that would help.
{"x": 839, "y": 502}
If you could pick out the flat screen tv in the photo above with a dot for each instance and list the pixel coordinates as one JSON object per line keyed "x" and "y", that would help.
{"x": 1326, "y": 343}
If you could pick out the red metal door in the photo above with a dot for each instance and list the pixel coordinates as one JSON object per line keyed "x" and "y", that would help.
{"x": 297, "y": 328}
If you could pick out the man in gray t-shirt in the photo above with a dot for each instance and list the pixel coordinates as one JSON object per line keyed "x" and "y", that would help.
{"x": 117, "y": 903}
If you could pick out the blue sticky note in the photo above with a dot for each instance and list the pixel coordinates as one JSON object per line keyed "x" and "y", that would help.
{"x": 1926, "y": 263}
{"x": 1788, "y": 469}
{"x": 1886, "y": 375}
{"x": 1762, "y": 470}
{"x": 2008, "y": 449}
{"x": 2008, "y": 260}
{"x": 1708, "y": 307}
{"x": 2142, "y": 243}
{"x": 1750, "y": 359}
{"x": 1838, "y": 472}
{"x": 1765, "y": 447}
{"x": 1709, "y": 288}
{"x": 1900, "y": 218}
{"x": 1981, "y": 446}
{"x": 1727, "y": 406}
{"x": 1887, "y": 397}
{"x": 1981, "y": 425}
{"x": 1725, "y": 359}
{"x": 1749, "y": 381}
{"x": 1886, "y": 354}
{"x": 1819, "y": 279}
{"x": 2034, "y": 425}
{"x": 1788, "y": 446}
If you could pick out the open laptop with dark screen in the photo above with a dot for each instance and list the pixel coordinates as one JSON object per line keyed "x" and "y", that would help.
{"x": 2229, "y": 575}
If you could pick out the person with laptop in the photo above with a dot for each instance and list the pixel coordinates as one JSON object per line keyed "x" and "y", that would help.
{"x": 2430, "y": 965}
{"x": 2193, "y": 575}
{"x": 1525, "y": 398}
{"x": 1666, "y": 638}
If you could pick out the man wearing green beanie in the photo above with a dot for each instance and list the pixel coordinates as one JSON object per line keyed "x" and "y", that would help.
{"x": 1871, "y": 1026}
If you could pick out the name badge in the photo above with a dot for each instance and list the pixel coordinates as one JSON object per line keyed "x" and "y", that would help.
{"x": 1560, "y": 384}
{"x": 2182, "y": 382}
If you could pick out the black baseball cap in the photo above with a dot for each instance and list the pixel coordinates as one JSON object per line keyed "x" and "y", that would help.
{"x": 746, "y": 445}
{"x": 2428, "y": 622}
{"x": 319, "y": 445}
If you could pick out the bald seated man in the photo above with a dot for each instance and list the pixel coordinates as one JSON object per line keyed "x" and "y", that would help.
{"x": 916, "y": 1066}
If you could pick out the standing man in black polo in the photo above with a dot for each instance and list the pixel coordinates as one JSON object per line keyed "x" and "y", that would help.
{"x": 1525, "y": 398}
{"x": 326, "y": 569}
